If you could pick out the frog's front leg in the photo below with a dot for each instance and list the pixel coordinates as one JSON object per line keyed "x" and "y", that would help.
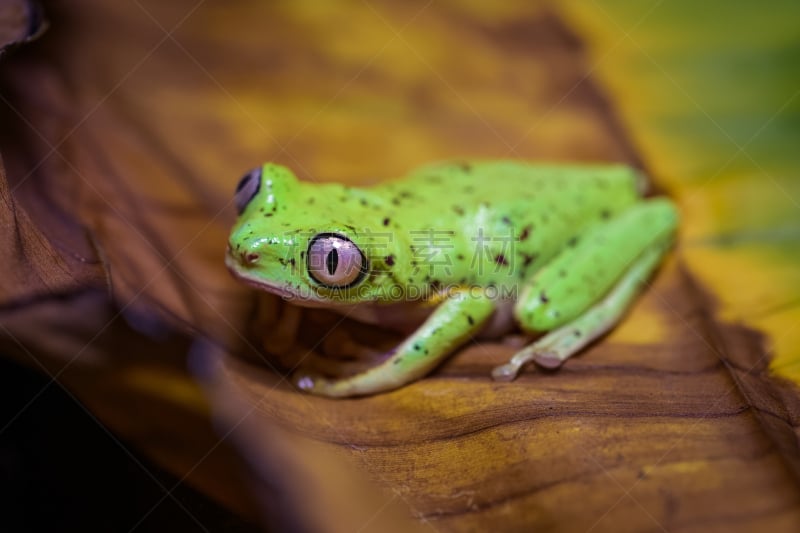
{"x": 454, "y": 321}
{"x": 585, "y": 290}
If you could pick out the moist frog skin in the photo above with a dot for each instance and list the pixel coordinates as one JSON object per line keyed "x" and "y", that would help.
{"x": 454, "y": 250}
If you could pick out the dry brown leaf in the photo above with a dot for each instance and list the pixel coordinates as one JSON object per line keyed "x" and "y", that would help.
{"x": 21, "y": 21}
{"x": 124, "y": 132}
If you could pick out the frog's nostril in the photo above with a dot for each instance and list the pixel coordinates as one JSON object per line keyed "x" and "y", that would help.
{"x": 245, "y": 255}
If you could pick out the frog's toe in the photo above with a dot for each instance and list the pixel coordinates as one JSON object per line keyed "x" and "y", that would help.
{"x": 548, "y": 359}
{"x": 309, "y": 382}
{"x": 304, "y": 383}
{"x": 510, "y": 370}
{"x": 541, "y": 353}
{"x": 507, "y": 372}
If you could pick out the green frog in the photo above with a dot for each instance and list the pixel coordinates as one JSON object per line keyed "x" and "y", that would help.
{"x": 451, "y": 251}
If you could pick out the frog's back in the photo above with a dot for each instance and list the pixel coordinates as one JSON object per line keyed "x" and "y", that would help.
{"x": 516, "y": 180}
{"x": 511, "y": 190}
{"x": 490, "y": 207}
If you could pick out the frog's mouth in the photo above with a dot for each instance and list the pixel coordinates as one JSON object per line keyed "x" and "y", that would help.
{"x": 283, "y": 292}
{"x": 235, "y": 269}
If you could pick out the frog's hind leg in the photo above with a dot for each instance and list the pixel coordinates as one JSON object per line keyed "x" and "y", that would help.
{"x": 558, "y": 345}
{"x": 582, "y": 292}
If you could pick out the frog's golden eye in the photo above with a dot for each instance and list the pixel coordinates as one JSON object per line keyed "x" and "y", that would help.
{"x": 247, "y": 189}
{"x": 335, "y": 261}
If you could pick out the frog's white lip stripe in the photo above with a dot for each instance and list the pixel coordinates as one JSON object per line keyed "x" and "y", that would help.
{"x": 272, "y": 289}
{"x": 256, "y": 283}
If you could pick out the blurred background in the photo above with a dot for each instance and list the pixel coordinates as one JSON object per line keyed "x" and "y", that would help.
{"x": 125, "y": 126}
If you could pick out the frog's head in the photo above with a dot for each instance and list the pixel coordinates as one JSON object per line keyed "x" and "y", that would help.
{"x": 300, "y": 240}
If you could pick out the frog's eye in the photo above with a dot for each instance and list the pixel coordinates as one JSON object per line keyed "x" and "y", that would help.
{"x": 335, "y": 261}
{"x": 247, "y": 189}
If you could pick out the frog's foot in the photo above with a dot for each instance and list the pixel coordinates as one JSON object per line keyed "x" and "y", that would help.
{"x": 339, "y": 379}
{"x": 549, "y": 352}
{"x": 341, "y": 356}
{"x": 314, "y": 383}
{"x": 557, "y": 346}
